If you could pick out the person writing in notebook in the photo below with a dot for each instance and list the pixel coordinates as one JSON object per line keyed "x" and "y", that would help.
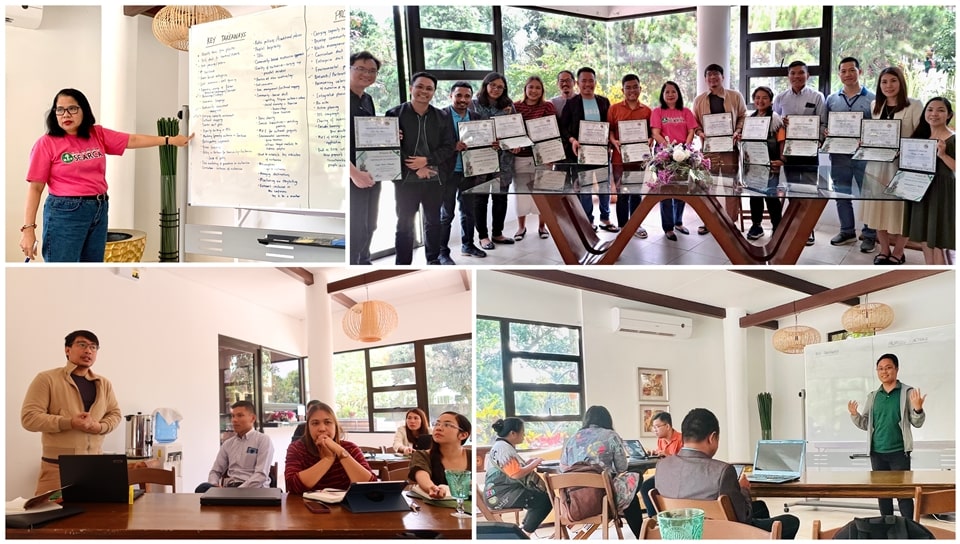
{"x": 693, "y": 473}
{"x": 244, "y": 459}
{"x": 71, "y": 407}
{"x": 669, "y": 442}
{"x": 889, "y": 413}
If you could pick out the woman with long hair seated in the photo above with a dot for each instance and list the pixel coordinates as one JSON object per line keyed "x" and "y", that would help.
{"x": 321, "y": 458}
{"x": 596, "y": 443}
{"x": 415, "y": 425}
{"x": 511, "y": 481}
{"x": 450, "y": 431}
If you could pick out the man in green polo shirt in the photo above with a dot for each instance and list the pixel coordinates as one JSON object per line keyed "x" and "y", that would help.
{"x": 890, "y": 411}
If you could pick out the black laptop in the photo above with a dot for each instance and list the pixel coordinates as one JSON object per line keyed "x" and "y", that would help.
{"x": 376, "y": 497}
{"x": 95, "y": 478}
{"x": 635, "y": 450}
{"x": 242, "y": 496}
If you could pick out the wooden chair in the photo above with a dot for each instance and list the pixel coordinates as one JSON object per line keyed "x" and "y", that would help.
{"x": 719, "y": 508}
{"x": 394, "y": 470}
{"x": 558, "y": 482}
{"x": 933, "y": 502}
{"x": 718, "y": 529}
{"x": 820, "y": 534}
{"x": 372, "y": 449}
{"x": 273, "y": 475}
{"x": 494, "y": 515}
{"x": 141, "y": 476}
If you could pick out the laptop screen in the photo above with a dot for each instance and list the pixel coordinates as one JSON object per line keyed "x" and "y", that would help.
{"x": 635, "y": 448}
{"x": 779, "y": 456}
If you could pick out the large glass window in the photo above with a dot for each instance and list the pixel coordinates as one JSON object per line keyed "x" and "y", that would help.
{"x": 533, "y": 371}
{"x": 772, "y": 18}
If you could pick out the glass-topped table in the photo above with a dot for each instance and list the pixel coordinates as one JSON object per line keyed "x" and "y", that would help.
{"x": 556, "y": 189}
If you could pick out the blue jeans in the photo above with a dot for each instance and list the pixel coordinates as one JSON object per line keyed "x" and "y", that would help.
{"x": 586, "y": 200}
{"x": 671, "y": 213}
{"x": 844, "y": 172}
{"x": 74, "y": 229}
{"x": 452, "y": 194}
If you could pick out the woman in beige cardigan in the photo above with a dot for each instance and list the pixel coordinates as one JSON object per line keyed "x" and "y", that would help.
{"x": 887, "y": 215}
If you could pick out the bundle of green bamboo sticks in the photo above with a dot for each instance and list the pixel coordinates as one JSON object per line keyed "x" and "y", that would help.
{"x": 765, "y": 405}
{"x": 169, "y": 216}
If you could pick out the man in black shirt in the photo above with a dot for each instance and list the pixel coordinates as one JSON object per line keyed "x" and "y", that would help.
{"x": 364, "y": 190}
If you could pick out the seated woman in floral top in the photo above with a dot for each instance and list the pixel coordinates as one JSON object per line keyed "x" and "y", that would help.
{"x": 321, "y": 459}
{"x": 427, "y": 467}
{"x": 596, "y": 443}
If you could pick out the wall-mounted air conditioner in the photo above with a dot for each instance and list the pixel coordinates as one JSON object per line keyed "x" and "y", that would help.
{"x": 635, "y": 322}
{"x": 24, "y": 16}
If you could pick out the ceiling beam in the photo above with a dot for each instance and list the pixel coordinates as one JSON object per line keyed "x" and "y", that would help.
{"x": 368, "y": 278}
{"x": 133, "y": 11}
{"x": 602, "y": 287}
{"x": 784, "y": 280}
{"x": 855, "y": 289}
{"x": 299, "y": 273}
{"x": 343, "y": 300}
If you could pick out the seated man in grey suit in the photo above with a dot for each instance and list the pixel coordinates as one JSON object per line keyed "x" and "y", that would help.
{"x": 695, "y": 474}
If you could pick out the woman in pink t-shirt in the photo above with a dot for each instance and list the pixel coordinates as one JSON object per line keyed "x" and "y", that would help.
{"x": 672, "y": 123}
{"x": 70, "y": 159}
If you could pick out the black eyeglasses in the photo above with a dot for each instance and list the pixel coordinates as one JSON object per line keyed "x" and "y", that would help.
{"x": 72, "y": 110}
{"x": 85, "y": 346}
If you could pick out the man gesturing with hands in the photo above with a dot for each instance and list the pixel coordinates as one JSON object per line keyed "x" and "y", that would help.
{"x": 889, "y": 413}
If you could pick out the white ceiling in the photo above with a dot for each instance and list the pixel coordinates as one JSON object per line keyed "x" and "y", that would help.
{"x": 611, "y": 12}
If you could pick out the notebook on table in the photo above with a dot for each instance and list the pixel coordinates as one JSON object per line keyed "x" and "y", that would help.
{"x": 778, "y": 461}
{"x": 95, "y": 478}
{"x": 241, "y": 496}
{"x": 376, "y": 497}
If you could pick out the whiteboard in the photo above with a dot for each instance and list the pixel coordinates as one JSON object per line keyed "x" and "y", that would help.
{"x": 268, "y": 98}
{"x": 837, "y": 372}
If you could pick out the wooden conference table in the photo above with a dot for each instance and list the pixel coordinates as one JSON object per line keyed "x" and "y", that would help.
{"x": 892, "y": 484}
{"x": 556, "y": 190}
{"x": 179, "y": 515}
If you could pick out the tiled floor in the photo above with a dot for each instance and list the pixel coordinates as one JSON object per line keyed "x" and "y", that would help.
{"x": 692, "y": 249}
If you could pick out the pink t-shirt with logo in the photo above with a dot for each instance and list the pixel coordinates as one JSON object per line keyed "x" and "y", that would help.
{"x": 73, "y": 166}
{"x": 673, "y": 124}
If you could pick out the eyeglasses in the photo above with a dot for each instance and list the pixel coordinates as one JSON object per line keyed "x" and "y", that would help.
{"x": 495, "y": 87}
{"x": 362, "y": 70}
{"x": 72, "y": 110}
{"x": 85, "y": 346}
{"x": 658, "y": 427}
{"x": 445, "y": 425}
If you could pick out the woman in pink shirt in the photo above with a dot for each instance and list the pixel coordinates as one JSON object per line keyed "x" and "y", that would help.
{"x": 70, "y": 159}
{"x": 672, "y": 123}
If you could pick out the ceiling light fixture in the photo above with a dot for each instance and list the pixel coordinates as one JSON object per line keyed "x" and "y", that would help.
{"x": 794, "y": 338}
{"x": 171, "y": 25}
{"x": 370, "y": 321}
{"x": 868, "y": 317}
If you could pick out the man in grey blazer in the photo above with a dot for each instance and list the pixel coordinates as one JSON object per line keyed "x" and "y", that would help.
{"x": 693, "y": 473}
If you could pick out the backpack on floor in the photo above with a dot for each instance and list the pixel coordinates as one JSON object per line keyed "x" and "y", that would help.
{"x": 883, "y": 528}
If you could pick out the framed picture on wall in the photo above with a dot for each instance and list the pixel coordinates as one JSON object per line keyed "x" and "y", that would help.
{"x": 653, "y": 385}
{"x": 647, "y": 413}
{"x": 843, "y": 335}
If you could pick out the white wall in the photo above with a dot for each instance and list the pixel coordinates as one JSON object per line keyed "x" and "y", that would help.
{"x": 159, "y": 349}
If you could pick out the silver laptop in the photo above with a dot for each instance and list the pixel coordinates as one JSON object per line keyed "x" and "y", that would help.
{"x": 778, "y": 461}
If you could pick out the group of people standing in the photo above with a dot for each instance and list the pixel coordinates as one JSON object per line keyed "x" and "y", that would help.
{"x": 891, "y": 223}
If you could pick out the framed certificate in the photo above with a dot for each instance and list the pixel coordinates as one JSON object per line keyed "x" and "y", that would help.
{"x": 544, "y": 128}
{"x": 718, "y": 144}
{"x": 800, "y": 148}
{"x": 548, "y": 151}
{"x": 594, "y": 133}
{"x": 909, "y": 185}
{"x": 844, "y": 124}
{"x": 757, "y": 177}
{"x": 880, "y": 133}
{"x": 481, "y": 160}
{"x": 633, "y": 132}
{"x": 918, "y": 154}
{"x": 375, "y": 132}
{"x": 638, "y": 152}
{"x": 803, "y": 127}
{"x": 593, "y": 154}
{"x": 755, "y": 128}
{"x": 509, "y": 126}
{"x": 755, "y": 152}
{"x": 477, "y": 133}
{"x": 381, "y": 164}
{"x": 875, "y": 154}
{"x": 517, "y": 142}
{"x": 718, "y": 124}
{"x": 633, "y": 177}
{"x": 840, "y": 146}
{"x": 549, "y": 180}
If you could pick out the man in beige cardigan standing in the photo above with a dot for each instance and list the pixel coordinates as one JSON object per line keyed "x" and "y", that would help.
{"x": 71, "y": 406}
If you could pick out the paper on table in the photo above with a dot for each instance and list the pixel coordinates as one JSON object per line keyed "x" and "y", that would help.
{"x": 329, "y": 495}
{"x": 17, "y": 506}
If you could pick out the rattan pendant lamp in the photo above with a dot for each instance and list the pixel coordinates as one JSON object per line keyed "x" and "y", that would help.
{"x": 794, "y": 338}
{"x": 171, "y": 25}
{"x": 370, "y": 321}
{"x": 868, "y": 317}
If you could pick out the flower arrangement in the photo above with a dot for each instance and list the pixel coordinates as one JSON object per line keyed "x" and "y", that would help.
{"x": 678, "y": 163}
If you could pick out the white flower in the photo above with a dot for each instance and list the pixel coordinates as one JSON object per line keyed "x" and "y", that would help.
{"x": 680, "y": 154}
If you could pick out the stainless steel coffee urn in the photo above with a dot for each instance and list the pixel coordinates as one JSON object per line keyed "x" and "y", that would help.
{"x": 139, "y": 435}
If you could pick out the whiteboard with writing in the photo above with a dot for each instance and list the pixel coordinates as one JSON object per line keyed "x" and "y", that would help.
{"x": 838, "y": 372}
{"x": 268, "y": 98}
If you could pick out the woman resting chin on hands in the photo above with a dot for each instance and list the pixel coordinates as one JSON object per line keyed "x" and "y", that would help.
{"x": 320, "y": 459}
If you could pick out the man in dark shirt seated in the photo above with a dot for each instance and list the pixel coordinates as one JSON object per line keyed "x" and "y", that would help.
{"x": 693, "y": 473}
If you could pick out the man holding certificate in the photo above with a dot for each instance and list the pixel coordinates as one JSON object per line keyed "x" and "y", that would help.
{"x": 629, "y": 111}
{"x": 851, "y": 98}
{"x": 800, "y": 100}
{"x": 586, "y": 106}
{"x": 364, "y": 190}
{"x": 717, "y": 100}
{"x": 427, "y": 143}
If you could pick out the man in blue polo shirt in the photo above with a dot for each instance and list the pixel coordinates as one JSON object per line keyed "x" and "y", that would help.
{"x": 851, "y": 97}
{"x": 890, "y": 412}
